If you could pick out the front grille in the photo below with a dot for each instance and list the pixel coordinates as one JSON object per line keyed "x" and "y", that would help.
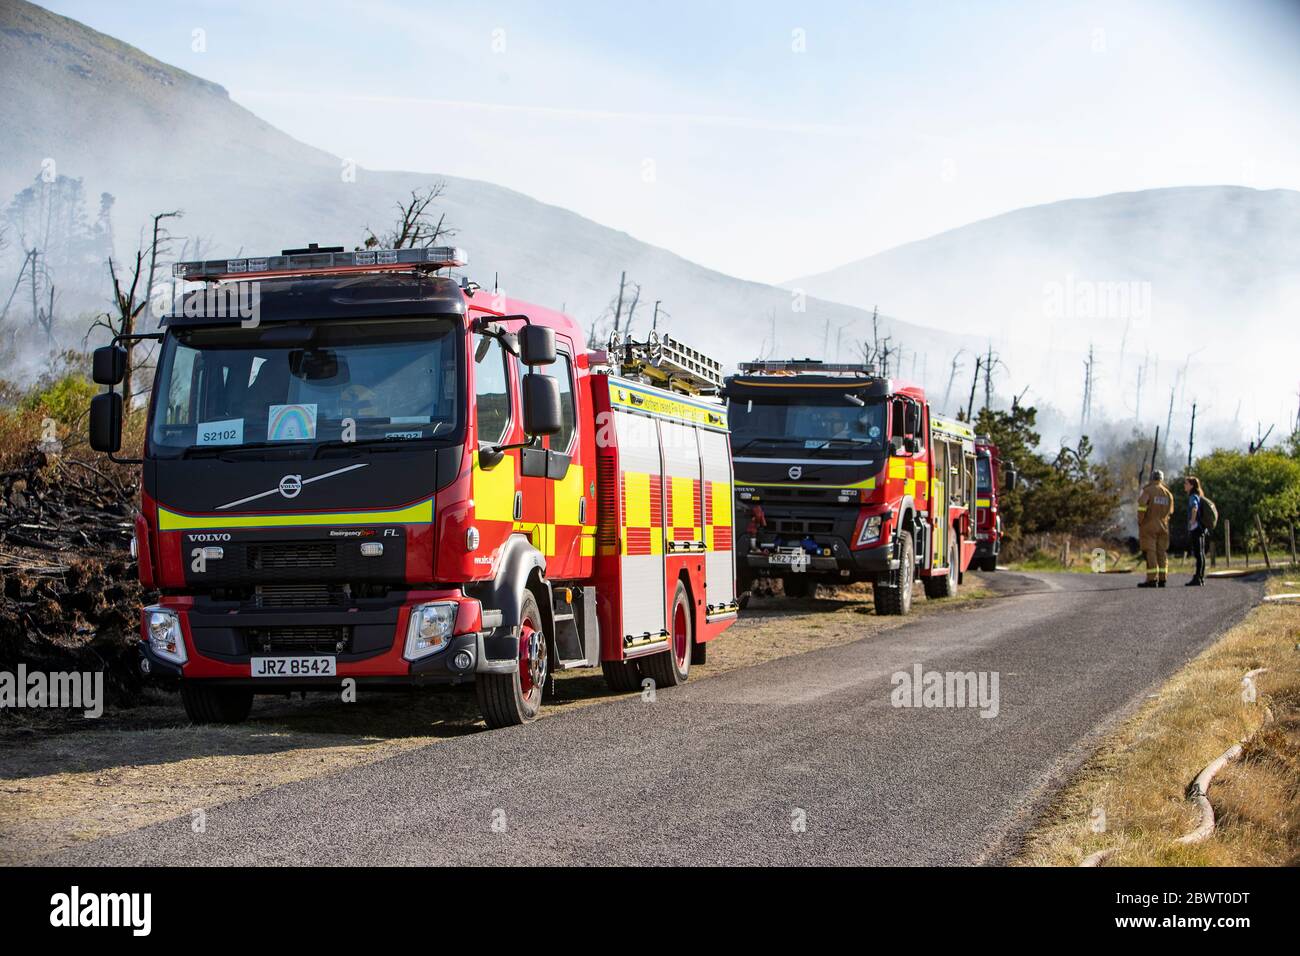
{"x": 801, "y": 527}
{"x": 802, "y": 495}
{"x": 292, "y": 595}
{"x": 296, "y": 556}
{"x": 299, "y": 639}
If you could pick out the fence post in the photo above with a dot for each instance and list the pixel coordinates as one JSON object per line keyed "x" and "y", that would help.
{"x": 1227, "y": 542}
{"x": 1263, "y": 542}
{"x": 1293, "y": 557}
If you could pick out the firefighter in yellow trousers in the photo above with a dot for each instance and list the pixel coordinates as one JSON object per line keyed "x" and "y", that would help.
{"x": 1155, "y": 505}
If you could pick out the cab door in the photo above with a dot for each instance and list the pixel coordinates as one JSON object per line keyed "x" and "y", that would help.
{"x": 572, "y": 516}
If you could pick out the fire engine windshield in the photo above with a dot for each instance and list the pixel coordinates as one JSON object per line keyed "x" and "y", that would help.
{"x": 983, "y": 473}
{"x": 363, "y": 382}
{"x": 836, "y": 427}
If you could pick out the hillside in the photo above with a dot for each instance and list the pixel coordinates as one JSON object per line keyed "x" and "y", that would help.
{"x": 159, "y": 138}
{"x": 1179, "y": 282}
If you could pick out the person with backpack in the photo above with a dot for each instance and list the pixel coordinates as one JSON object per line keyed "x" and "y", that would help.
{"x": 1202, "y": 516}
{"x": 1155, "y": 505}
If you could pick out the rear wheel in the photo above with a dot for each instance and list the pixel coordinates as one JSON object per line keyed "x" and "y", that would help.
{"x": 510, "y": 699}
{"x": 946, "y": 586}
{"x": 672, "y": 667}
{"x": 621, "y": 676}
{"x": 208, "y": 704}
{"x": 895, "y": 599}
{"x": 989, "y": 563}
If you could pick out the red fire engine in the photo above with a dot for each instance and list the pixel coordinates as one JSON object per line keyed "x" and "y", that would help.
{"x": 991, "y": 473}
{"x": 369, "y": 476}
{"x": 844, "y": 475}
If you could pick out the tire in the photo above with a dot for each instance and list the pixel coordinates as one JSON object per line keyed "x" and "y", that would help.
{"x": 507, "y": 700}
{"x": 671, "y": 667}
{"x": 699, "y": 653}
{"x": 621, "y": 676}
{"x": 797, "y": 586}
{"x": 989, "y": 563}
{"x": 946, "y": 586}
{"x": 208, "y": 704}
{"x": 894, "y": 600}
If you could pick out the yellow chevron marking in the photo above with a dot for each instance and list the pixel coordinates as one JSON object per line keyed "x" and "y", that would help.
{"x": 418, "y": 513}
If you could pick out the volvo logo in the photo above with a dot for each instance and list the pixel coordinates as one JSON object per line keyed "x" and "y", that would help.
{"x": 796, "y": 472}
{"x": 290, "y": 486}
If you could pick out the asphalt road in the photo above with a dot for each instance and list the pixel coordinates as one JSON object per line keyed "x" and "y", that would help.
{"x": 799, "y": 761}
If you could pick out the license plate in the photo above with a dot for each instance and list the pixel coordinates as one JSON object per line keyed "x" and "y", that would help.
{"x": 797, "y": 562}
{"x": 292, "y": 666}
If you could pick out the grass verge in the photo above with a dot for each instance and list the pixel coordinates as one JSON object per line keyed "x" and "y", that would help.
{"x": 1138, "y": 779}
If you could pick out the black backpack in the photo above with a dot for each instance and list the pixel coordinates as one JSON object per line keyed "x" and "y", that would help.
{"x": 1207, "y": 515}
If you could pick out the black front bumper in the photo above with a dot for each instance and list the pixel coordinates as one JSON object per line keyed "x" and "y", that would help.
{"x": 488, "y": 653}
{"x": 842, "y": 563}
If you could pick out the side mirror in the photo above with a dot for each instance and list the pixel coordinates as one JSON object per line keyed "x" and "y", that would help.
{"x": 897, "y": 444}
{"x": 108, "y": 366}
{"x": 536, "y": 345}
{"x": 914, "y": 445}
{"x": 541, "y": 404}
{"x": 1012, "y": 477}
{"x": 106, "y": 421}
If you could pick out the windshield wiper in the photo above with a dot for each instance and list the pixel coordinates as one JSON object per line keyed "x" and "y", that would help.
{"x": 765, "y": 438}
{"x": 825, "y": 442}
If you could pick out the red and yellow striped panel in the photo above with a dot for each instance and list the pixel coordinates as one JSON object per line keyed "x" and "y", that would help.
{"x": 697, "y": 511}
{"x": 717, "y": 516}
{"x": 642, "y": 514}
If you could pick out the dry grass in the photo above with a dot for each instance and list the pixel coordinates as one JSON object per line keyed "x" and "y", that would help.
{"x": 1140, "y": 775}
{"x": 68, "y": 783}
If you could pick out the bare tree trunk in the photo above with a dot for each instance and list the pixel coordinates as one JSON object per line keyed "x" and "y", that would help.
{"x": 974, "y": 383}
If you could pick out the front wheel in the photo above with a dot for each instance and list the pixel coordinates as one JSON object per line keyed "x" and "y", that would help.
{"x": 206, "y": 704}
{"x": 670, "y": 668}
{"x": 507, "y": 700}
{"x": 896, "y": 599}
{"x": 796, "y": 586}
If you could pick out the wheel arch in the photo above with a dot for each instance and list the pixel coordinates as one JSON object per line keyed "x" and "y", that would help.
{"x": 522, "y": 568}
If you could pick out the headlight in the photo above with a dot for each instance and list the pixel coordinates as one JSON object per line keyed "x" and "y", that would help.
{"x": 164, "y": 630}
{"x": 430, "y": 628}
{"x": 870, "y": 530}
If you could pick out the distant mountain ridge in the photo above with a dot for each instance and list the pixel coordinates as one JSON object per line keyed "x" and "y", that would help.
{"x": 1206, "y": 251}
{"x": 1201, "y": 282}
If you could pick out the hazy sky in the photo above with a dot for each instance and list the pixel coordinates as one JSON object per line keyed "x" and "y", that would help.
{"x": 768, "y": 140}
